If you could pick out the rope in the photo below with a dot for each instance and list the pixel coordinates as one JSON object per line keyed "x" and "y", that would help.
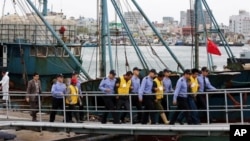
{"x": 127, "y": 5}
{"x": 126, "y": 57}
{"x": 192, "y": 36}
{"x": 25, "y": 75}
{"x": 144, "y": 34}
{"x": 92, "y": 56}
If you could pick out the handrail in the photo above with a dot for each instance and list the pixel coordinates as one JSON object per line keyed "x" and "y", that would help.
{"x": 96, "y": 107}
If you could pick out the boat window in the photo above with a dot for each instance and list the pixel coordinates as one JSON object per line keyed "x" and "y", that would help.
{"x": 242, "y": 55}
{"x": 42, "y": 51}
{"x": 65, "y": 53}
{"x": 72, "y": 50}
{"x": 32, "y": 51}
{"x": 4, "y": 49}
{"x": 51, "y": 51}
{"x": 59, "y": 51}
{"x": 77, "y": 51}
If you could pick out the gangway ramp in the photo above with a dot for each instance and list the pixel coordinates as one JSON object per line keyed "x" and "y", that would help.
{"x": 216, "y": 129}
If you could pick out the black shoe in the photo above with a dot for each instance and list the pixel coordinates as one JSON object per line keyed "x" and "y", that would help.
{"x": 123, "y": 121}
{"x": 103, "y": 122}
{"x": 212, "y": 120}
{"x": 180, "y": 122}
{"x": 70, "y": 121}
{"x": 136, "y": 121}
{"x": 116, "y": 123}
{"x": 171, "y": 123}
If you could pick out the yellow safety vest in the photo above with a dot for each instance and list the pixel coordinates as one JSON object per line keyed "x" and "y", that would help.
{"x": 194, "y": 86}
{"x": 159, "y": 93}
{"x": 73, "y": 96}
{"x": 124, "y": 86}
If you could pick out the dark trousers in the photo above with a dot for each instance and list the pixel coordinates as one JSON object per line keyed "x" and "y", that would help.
{"x": 34, "y": 109}
{"x": 182, "y": 104}
{"x": 138, "y": 105}
{"x": 148, "y": 102}
{"x": 201, "y": 104}
{"x": 123, "y": 101}
{"x": 194, "y": 114}
{"x": 57, "y": 103}
{"x": 81, "y": 113}
{"x": 109, "y": 102}
{"x": 70, "y": 111}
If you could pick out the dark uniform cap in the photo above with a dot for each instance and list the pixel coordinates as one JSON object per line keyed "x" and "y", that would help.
{"x": 187, "y": 71}
{"x": 112, "y": 72}
{"x": 166, "y": 70}
{"x": 75, "y": 72}
{"x": 153, "y": 71}
{"x": 204, "y": 69}
{"x": 59, "y": 75}
{"x": 136, "y": 68}
{"x": 161, "y": 74}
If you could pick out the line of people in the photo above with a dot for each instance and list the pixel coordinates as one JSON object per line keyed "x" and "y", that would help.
{"x": 149, "y": 93}
{"x": 69, "y": 94}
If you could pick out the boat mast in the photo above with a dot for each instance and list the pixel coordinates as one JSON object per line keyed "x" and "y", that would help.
{"x": 58, "y": 39}
{"x": 158, "y": 34}
{"x": 196, "y": 49}
{"x": 45, "y": 7}
{"x": 105, "y": 36}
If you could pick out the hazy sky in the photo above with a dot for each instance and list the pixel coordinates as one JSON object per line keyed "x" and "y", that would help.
{"x": 155, "y": 9}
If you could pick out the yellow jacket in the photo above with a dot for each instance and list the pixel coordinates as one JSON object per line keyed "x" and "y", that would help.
{"x": 72, "y": 97}
{"x": 194, "y": 85}
{"x": 159, "y": 93}
{"x": 124, "y": 86}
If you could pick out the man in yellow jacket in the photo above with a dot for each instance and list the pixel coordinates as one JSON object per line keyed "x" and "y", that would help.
{"x": 158, "y": 89}
{"x": 71, "y": 100}
{"x": 123, "y": 87}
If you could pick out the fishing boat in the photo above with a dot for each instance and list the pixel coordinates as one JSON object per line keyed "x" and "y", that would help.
{"x": 235, "y": 44}
{"x": 89, "y": 44}
{"x": 36, "y": 42}
{"x": 234, "y": 78}
{"x": 64, "y": 56}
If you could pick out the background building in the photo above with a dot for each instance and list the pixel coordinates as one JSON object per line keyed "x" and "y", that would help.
{"x": 168, "y": 21}
{"x": 183, "y": 18}
{"x": 202, "y": 17}
{"x": 240, "y": 23}
{"x": 133, "y": 17}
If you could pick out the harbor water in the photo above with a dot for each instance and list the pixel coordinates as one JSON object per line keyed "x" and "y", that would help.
{"x": 183, "y": 54}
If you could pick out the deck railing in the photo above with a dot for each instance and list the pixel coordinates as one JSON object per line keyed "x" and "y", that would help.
{"x": 94, "y": 105}
{"x": 35, "y": 34}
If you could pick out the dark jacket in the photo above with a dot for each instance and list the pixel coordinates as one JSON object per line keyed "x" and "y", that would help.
{"x": 31, "y": 89}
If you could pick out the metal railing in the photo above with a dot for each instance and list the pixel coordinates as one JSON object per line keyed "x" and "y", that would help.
{"x": 94, "y": 105}
{"x": 35, "y": 33}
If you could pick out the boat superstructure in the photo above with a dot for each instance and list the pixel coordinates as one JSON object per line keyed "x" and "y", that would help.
{"x": 28, "y": 46}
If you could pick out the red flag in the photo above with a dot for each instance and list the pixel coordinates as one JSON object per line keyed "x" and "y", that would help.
{"x": 212, "y": 48}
